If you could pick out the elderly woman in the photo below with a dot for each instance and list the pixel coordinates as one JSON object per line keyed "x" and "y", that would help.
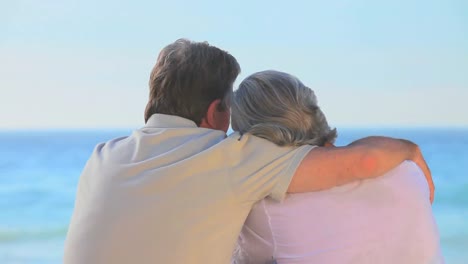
{"x": 382, "y": 220}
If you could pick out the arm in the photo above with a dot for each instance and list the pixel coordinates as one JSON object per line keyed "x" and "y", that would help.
{"x": 369, "y": 157}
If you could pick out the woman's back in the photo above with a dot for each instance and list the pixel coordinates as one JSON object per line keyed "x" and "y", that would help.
{"x": 383, "y": 220}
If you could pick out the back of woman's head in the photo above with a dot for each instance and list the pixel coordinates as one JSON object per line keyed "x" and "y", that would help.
{"x": 278, "y": 107}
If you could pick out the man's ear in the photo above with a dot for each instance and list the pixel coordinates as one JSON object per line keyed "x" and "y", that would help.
{"x": 215, "y": 118}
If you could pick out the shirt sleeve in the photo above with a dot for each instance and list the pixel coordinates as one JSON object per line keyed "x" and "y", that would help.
{"x": 260, "y": 168}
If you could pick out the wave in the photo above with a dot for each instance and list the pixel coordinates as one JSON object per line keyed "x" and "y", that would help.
{"x": 13, "y": 235}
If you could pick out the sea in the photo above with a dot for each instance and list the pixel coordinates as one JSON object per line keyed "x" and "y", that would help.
{"x": 39, "y": 172}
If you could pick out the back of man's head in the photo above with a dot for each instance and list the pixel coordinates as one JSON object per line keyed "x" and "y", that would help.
{"x": 188, "y": 77}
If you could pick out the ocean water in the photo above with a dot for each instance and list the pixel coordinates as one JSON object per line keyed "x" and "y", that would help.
{"x": 39, "y": 172}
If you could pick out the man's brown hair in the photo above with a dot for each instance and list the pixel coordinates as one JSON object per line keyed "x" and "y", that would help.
{"x": 187, "y": 77}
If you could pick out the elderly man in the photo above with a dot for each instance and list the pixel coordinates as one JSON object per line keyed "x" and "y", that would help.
{"x": 178, "y": 191}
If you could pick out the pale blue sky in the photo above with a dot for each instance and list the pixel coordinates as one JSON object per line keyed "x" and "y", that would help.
{"x": 85, "y": 64}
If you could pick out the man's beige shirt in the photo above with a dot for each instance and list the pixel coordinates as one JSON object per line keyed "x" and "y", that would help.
{"x": 173, "y": 193}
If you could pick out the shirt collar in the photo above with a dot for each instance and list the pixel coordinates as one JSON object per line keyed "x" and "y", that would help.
{"x": 169, "y": 121}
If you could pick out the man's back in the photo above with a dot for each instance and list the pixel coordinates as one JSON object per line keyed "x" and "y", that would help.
{"x": 382, "y": 220}
{"x": 172, "y": 193}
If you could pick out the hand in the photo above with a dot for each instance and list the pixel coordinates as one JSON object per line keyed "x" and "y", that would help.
{"x": 419, "y": 160}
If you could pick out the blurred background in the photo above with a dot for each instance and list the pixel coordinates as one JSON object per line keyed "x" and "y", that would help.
{"x": 75, "y": 73}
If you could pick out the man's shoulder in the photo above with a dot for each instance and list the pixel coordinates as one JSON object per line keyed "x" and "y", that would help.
{"x": 153, "y": 143}
{"x": 106, "y": 148}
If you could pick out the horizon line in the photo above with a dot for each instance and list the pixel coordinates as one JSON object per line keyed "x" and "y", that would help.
{"x": 129, "y": 128}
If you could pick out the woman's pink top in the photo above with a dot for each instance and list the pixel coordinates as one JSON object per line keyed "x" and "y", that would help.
{"x": 383, "y": 220}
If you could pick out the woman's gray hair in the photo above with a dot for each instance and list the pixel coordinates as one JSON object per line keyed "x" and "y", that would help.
{"x": 278, "y": 107}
